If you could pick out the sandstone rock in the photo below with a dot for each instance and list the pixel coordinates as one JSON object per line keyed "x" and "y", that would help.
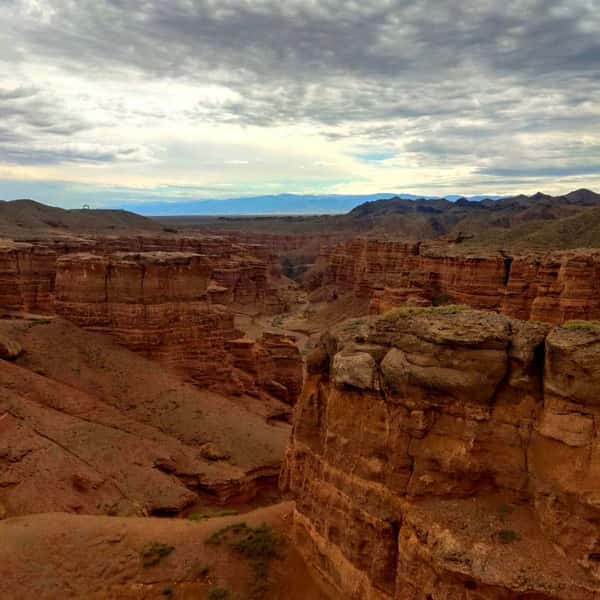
{"x": 572, "y": 366}
{"x": 448, "y": 355}
{"x": 317, "y": 361}
{"x": 211, "y": 452}
{"x": 464, "y": 476}
{"x": 571, "y": 428}
{"x": 9, "y": 349}
{"x": 356, "y": 370}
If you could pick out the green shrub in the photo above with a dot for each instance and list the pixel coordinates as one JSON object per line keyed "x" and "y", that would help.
{"x": 218, "y": 593}
{"x": 441, "y": 300}
{"x": 508, "y": 536}
{"x": 153, "y": 553}
{"x": 259, "y": 545}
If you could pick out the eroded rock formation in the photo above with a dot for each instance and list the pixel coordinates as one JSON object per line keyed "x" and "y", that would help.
{"x": 154, "y": 303}
{"x": 162, "y": 305}
{"x": 242, "y": 274}
{"x": 450, "y": 454}
{"x": 553, "y": 287}
{"x": 273, "y": 363}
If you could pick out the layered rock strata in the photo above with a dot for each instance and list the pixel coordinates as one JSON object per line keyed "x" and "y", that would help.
{"x": 153, "y": 303}
{"x": 450, "y": 454}
{"x": 242, "y": 274}
{"x": 553, "y": 288}
{"x": 162, "y": 305}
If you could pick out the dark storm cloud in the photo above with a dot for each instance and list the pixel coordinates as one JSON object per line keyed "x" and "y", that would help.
{"x": 444, "y": 81}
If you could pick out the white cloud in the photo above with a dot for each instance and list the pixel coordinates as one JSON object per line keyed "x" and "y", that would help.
{"x": 288, "y": 94}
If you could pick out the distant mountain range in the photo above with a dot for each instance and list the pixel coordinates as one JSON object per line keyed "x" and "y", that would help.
{"x": 290, "y": 204}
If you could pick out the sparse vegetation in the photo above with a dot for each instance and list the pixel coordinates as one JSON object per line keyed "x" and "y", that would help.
{"x": 441, "y": 300}
{"x": 579, "y": 325}
{"x": 153, "y": 553}
{"x": 259, "y": 545}
{"x": 402, "y": 312}
{"x": 508, "y": 536}
{"x": 203, "y": 516}
{"x": 218, "y": 593}
{"x": 168, "y": 591}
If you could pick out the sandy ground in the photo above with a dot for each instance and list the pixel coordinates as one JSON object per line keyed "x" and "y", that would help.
{"x": 52, "y": 556}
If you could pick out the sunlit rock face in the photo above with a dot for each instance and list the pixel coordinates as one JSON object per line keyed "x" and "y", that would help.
{"x": 450, "y": 454}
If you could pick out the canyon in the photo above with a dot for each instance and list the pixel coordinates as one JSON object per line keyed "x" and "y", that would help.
{"x": 412, "y": 419}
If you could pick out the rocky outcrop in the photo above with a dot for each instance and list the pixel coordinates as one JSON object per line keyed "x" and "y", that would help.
{"x": 162, "y": 305}
{"x": 450, "y": 454}
{"x": 153, "y": 303}
{"x": 27, "y": 274}
{"x": 88, "y": 426}
{"x": 273, "y": 363}
{"x": 554, "y": 287}
{"x": 9, "y": 349}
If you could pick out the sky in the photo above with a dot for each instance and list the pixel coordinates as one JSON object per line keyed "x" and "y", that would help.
{"x": 112, "y": 101}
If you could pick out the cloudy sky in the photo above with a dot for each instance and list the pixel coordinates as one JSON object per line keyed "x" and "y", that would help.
{"x": 106, "y": 101}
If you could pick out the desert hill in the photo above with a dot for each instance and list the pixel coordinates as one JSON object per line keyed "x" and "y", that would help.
{"x": 536, "y": 221}
{"x": 18, "y": 217}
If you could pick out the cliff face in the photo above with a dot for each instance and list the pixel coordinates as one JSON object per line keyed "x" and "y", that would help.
{"x": 27, "y": 273}
{"x": 449, "y": 454}
{"x": 153, "y": 303}
{"x": 553, "y": 288}
{"x": 273, "y": 363}
{"x": 242, "y": 274}
{"x": 161, "y": 305}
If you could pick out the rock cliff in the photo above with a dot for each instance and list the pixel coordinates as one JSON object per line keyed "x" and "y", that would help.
{"x": 242, "y": 274}
{"x": 450, "y": 454}
{"x": 552, "y": 287}
{"x": 160, "y": 304}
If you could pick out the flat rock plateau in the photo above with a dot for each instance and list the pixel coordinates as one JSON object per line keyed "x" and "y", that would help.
{"x": 400, "y": 403}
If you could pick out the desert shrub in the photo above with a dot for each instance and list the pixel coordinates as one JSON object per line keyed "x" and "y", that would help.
{"x": 259, "y": 545}
{"x": 153, "y": 553}
{"x": 218, "y": 593}
{"x": 168, "y": 591}
{"x": 508, "y": 536}
{"x": 222, "y": 534}
{"x": 441, "y": 300}
{"x": 197, "y": 516}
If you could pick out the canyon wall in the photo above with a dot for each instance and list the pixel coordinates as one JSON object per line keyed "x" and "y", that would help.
{"x": 161, "y": 305}
{"x": 241, "y": 274}
{"x": 554, "y": 287}
{"x": 446, "y": 454}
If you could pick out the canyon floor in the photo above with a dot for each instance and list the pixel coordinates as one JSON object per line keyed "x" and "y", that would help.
{"x": 301, "y": 408}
